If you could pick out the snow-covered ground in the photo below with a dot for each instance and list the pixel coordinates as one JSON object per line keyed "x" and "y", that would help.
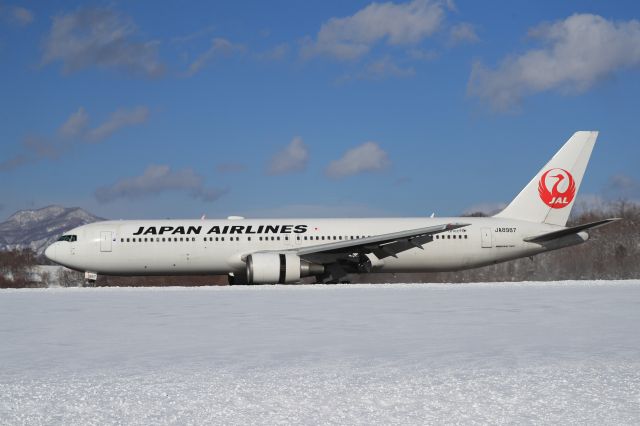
{"x": 565, "y": 352}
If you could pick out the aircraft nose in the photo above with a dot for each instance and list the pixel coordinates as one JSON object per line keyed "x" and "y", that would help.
{"x": 50, "y": 252}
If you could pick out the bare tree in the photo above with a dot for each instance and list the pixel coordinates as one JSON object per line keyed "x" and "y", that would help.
{"x": 70, "y": 278}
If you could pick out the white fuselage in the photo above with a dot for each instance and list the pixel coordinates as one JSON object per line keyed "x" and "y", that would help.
{"x": 175, "y": 247}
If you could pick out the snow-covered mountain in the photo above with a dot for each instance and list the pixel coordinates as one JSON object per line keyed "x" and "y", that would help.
{"x": 36, "y": 229}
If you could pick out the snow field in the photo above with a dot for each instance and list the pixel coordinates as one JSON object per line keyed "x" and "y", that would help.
{"x": 565, "y": 352}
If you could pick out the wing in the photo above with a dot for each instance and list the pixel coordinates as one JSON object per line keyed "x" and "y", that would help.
{"x": 382, "y": 246}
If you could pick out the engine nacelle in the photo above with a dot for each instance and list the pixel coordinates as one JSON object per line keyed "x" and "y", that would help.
{"x": 279, "y": 268}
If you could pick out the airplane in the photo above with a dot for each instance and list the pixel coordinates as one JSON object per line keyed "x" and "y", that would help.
{"x": 279, "y": 251}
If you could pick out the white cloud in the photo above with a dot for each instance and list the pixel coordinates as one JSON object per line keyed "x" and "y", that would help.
{"x": 293, "y": 158}
{"x": 74, "y": 131}
{"x": 623, "y": 183}
{"x": 422, "y": 55}
{"x": 157, "y": 179}
{"x": 14, "y": 162}
{"x": 275, "y": 53}
{"x": 119, "y": 119}
{"x": 624, "y": 187}
{"x": 399, "y": 24}
{"x": 21, "y": 15}
{"x": 100, "y": 37}
{"x": 75, "y": 125}
{"x": 463, "y": 33}
{"x": 193, "y": 36}
{"x": 379, "y": 70}
{"x": 368, "y": 157}
{"x": 577, "y": 52}
{"x": 219, "y": 47}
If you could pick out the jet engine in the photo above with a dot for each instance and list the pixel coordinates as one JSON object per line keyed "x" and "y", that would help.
{"x": 279, "y": 268}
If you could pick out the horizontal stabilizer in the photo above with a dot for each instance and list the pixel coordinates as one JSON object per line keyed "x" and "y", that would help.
{"x": 568, "y": 231}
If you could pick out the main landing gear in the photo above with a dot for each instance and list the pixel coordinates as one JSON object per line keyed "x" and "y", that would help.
{"x": 90, "y": 279}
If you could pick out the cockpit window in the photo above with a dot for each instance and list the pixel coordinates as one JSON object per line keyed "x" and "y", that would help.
{"x": 70, "y": 238}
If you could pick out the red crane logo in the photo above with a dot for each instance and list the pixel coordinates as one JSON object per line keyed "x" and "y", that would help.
{"x": 562, "y": 190}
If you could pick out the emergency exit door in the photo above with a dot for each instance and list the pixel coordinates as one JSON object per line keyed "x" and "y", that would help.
{"x": 486, "y": 238}
{"x": 105, "y": 240}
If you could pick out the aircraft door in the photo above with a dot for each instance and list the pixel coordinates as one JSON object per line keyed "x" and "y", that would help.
{"x": 105, "y": 240}
{"x": 486, "y": 238}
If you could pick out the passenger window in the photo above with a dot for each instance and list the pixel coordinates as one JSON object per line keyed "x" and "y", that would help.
{"x": 248, "y": 238}
{"x": 221, "y": 238}
{"x": 278, "y": 238}
{"x": 127, "y": 239}
{"x": 121, "y": 240}
{"x": 465, "y": 237}
{"x": 448, "y": 237}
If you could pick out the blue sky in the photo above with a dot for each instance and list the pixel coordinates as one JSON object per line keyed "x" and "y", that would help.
{"x": 284, "y": 108}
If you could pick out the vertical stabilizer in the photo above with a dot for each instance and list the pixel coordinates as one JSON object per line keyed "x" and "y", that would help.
{"x": 550, "y": 195}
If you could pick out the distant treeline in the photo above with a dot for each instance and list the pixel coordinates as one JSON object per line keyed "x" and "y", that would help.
{"x": 612, "y": 252}
{"x": 15, "y": 268}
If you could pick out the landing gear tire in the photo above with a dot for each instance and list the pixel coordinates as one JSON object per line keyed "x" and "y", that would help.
{"x": 236, "y": 279}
